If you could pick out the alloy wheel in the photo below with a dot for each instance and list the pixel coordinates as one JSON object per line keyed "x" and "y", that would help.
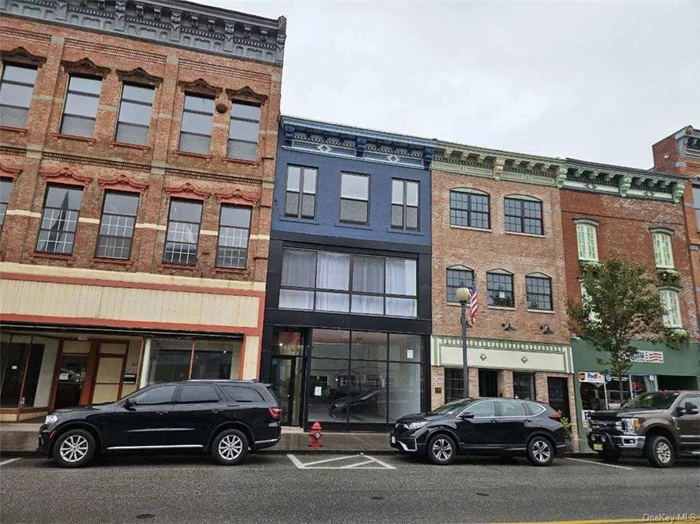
{"x": 230, "y": 447}
{"x": 74, "y": 448}
{"x": 442, "y": 449}
{"x": 541, "y": 451}
{"x": 663, "y": 452}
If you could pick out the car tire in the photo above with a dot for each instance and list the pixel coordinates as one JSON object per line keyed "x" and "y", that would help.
{"x": 610, "y": 457}
{"x": 230, "y": 447}
{"x": 659, "y": 452}
{"x": 74, "y": 448}
{"x": 540, "y": 451}
{"x": 442, "y": 450}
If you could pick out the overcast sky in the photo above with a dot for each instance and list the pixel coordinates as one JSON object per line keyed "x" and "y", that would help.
{"x": 594, "y": 80}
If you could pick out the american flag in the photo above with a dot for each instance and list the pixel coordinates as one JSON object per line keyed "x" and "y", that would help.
{"x": 474, "y": 304}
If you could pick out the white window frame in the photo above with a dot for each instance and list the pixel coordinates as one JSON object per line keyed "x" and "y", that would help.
{"x": 587, "y": 239}
{"x": 663, "y": 248}
{"x": 671, "y": 301}
{"x": 593, "y": 317}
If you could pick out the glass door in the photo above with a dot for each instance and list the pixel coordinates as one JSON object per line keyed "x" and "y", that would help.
{"x": 71, "y": 377}
{"x": 286, "y": 384}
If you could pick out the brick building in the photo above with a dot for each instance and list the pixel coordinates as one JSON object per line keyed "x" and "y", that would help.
{"x": 496, "y": 219}
{"x": 637, "y": 214}
{"x": 137, "y": 148}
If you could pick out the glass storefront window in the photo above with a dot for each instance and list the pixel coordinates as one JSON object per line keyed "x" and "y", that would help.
{"x": 524, "y": 385}
{"x": 172, "y": 359}
{"x": 20, "y": 366}
{"x": 404, "y": 348}
{"x": 404, "y": 389}
{"x": 368, "y": 346}
{"x": 215, "y": 360}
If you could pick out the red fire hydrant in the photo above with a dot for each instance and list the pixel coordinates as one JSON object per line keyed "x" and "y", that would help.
{"x": 315, "y": 433}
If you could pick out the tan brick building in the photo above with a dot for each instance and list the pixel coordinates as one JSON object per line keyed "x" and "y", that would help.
{"x": 137, "y": 150}
{"x": 496, "y": 219}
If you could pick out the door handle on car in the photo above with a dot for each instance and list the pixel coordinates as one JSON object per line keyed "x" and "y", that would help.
{"x": 161, "y": 412}
{"x": 216, "y": 411}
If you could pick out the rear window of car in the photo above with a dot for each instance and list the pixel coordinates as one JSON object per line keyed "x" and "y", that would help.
{"x": 198, "y": 394}
{"x": 511, "y": 408}
{"x": 534, "y": 409}
{"x": 242, "y": 394}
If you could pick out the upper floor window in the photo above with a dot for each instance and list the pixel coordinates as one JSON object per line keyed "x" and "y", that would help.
{"x": 499, "y": 285}
{"x": 523, "y": 216}
{"x": 135, "y": 114}
{"x": 300, "y": 198}
{"x": 404, "y": 205}
{"x": 80, "y": 109}
{"x": 587, "y": 238}
{"x": 457, "y": 278}
{"x": 117, "y": 225}
{"x": 5, "y": 190}
{"x": 16, "y": 94}
{"x": 663, "y": 253}
{"x": 354, "y": 198}
{"x": 696, "y": 204}
{"x": 539, "y": 292}
{"x": 469, "y": 209}
{"x": 234, "y": 233}
{"x": 243, "y": 131}
{"x": 59, "y": 219}
{"x": 339, "y": 282}
{"x": 671, "y": 303}
{"x": 182, "y": 236}
{"x": 197, "y": 121}
{"x": 585, "y": 299}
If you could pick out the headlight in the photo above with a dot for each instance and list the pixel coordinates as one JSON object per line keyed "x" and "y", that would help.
{"x": 51, "y": 419}
{"x": 630, "y": 426}
{"x": 416, "y": 425}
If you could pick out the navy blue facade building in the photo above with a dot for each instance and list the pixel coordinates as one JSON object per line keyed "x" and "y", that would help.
{"x": 348, "y": 304}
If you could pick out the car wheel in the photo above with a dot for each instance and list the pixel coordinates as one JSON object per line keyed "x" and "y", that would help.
{"x": 442, "y": 450}
{"x": 74, "y": 448}
{"x": 610, "y": 456}
{"x": 659, "y": 452}
{"x": 230, "y": 447}
{"x": 540, "y": 451}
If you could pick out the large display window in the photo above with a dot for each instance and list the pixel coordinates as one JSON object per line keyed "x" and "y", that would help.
{"x": 173, "y": 360}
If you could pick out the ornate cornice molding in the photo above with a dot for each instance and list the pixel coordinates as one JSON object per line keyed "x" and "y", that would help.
{"x": 9, "y": 172}
{"x": 238, "y": 197}
{"x": 200, "y": 87}
{"x": 67, "y": 176}
{"x": 246, "y": 94}
{"x": 139, "y": 76}
{"x": 123, "y": 183}
{"x": 187, "y": 191}
{"x": 85, "y": 66}
{"x": 19, "y": 55}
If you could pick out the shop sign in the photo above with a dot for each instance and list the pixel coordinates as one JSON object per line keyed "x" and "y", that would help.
{"x": 648, "y": 357}
{"x": 589, "y": 376}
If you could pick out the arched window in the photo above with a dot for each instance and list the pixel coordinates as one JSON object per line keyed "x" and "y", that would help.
{"x": 523, "y": 214}
{"x": 671, "y": 303}
{"x": 539, "y": 292}
{"x": 663, "y": 253}
{"x": 458, "y": 276}
{"x": 499, "y": 284}
{"x": 469, "y": 208}
{"x": 587, "y": 237}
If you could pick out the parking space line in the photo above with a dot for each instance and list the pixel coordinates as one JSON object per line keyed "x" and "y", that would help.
{"x": 296, "y": 461}
{"x": 599, "y": 463}
{"x": 381, "y": 462}
{"x": 9, "y": 460}
{"x": 367, "y": 462}
{"x": 326, "y": 460}
{"x": 358, "y": 464}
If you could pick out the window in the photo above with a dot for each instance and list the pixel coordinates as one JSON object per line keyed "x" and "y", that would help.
{"x": 670, "y": 301}
{"x": 454, "y": 384}
{"x": 197, "y": 394}
{"x": 183, "y": 232}
{"x": 500, "y": 289}
{"x": 404, "y": 205}
{"x": 457, "y": 278}
{"x": 469, "y": 209}
{"x": 234, "y": 231}
{"x": 197, "y": 120}
{"x": 243, "y": 131}
{"x": 696, "y": 204}
{"x": 80, "y": 109}
{"x": 242, "y": 394}
{"x": 156, "y": 395}
{"x": 524, "y": 386}
{"x": 524, "y": 216}
{"x": 59, "y": 219}
{"x": 5, "y": 190}
{"x": 512, "y": 408}
{"x": 174, "y": 360}
{"x": 134, "y": 114}
{"x": 482, "y": 409}
{"x": 300, "y": 200}
{"x": 539, "y": 293}
{"x": 342, "y": 283}
{"x": 587, "y": 237}
{"x": 16, "y": 94}
{"x": 662, "y": 250}
{"x": 593, "y": 317}
{"x": 354, "y": 198}
{"x": 117, "y": 225}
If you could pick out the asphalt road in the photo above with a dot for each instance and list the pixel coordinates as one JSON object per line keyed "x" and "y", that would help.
{"x": 272, "y": 488}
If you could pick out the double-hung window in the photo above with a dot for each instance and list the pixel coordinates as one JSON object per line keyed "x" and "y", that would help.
{"x": 404, "y": 205}
{"x": 524, "y": 216}
{"x": 663, "y": 253}
{"x": 539, "y": 292}
{"x": 234, "y": 232}
{"x": 300, "y": 198}
{"x": 243, "y": 131}
{"x": 135, "y": 114}
{"x": 354, "y": 198}
{"x": 59, "y": 220}
{"x": 80, "y": 109}
{"x": 671, "y": 303}
{"x": 469, "y": 209}
{"x": 5, "y": 190}
{"x": 117, "y": 225}
{"x": 197, "y": 121}
{"x": 457, "y": 278}
{"x": 16, "y": 94}
{"x": 696, "y": 205}
{"x": 182, "y": 235}
{"x": 587, "y": 237}
{"x": 499, "y": 285}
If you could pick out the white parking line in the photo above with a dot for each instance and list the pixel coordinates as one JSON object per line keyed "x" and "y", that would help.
{"x": 599, "y": 463}
{"x": 367, "y": 462}
{"x": 9, "y": 460}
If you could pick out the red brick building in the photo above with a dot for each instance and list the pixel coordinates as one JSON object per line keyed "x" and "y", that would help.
{"x": 137, "y": 150}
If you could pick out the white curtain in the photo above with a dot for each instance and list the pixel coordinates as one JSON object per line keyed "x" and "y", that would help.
{"x": 400, "y": 277}
{"x": 368, "y": 274}
{"x": 367, "y": 305}
{"x": 298, "y": 270}
{"x": 333, "y": 271}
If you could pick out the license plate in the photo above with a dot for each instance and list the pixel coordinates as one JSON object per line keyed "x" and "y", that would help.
{"x": 597, "y": 447}
{"x": 393, "y": 439}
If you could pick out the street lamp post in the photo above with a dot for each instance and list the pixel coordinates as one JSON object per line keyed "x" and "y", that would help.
{"x": 464, "y": 296}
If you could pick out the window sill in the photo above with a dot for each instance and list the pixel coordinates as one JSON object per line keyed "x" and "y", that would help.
{"x": 119, "y": 261}
{"x": 18, "y": 130}
{"x": 129, "y": 146}
{"x": 192, "y": 155}
{"x": 350, "y": 225}
{"x": 255, "y": 163}
{"x": 469, "y": 228}
{"x": 523, "y": 234}
{"x": 545, "y": 311}
{"x": 90, "y": 141}
{"x": 405, "y": 231}
{"x": 232, "y": 271}
{"x": 53, "y": 256}
{"x": 299, "y": 220}
{"x": 164, "y": 267}
{"x": 504, "y": 308}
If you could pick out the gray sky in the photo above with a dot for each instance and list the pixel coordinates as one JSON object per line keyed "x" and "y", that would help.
{"x": 594, "y": 80}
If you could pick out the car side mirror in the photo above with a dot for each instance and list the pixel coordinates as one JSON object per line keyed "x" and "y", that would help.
{"x": 467, "y": 415}
{"x": 129, "y": 404}
{"x": 690, "y": 409}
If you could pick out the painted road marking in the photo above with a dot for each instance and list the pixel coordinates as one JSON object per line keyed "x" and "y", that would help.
{"x": 365, "y": 462}
{"x": 599, "y": 464}
{"x": 604, "y": 521}
{"x": 9, "y": 460}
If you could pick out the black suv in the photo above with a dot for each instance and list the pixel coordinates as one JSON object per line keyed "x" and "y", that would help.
{"x": 487, "y": 426}
{"x": 224, "y": 417}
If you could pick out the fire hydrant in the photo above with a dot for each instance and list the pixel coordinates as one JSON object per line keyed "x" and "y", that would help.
{"x": 315, "y": 433}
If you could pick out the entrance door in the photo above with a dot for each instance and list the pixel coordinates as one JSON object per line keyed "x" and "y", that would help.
{"x": 71, "y": 377}
{"x": 286, "y": 384}
{"x": 488, "y": 383}
{"x": 558, "y": 392}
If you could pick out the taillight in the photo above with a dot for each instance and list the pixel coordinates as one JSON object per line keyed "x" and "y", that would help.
{"x": 556, "y": 416}
{"x": 275, "y": 412}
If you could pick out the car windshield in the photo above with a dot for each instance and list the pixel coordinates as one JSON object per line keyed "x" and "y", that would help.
{"x": 453, "y": 406}
{"x": 658, "y": 400}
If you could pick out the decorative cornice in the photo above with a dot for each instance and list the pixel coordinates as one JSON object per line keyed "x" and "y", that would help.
{"x": 200, "y": 87}
{"x": 139, "y": 76}
{"x": 187, "y": 191}
{"x": 238, "y": 197}
{"x": 246, "y": 94}
{"x": 19, "y": 55}
{"x": 67, "y": 176}
{"x": 85, "y": 66}
{"x": 586, "y": 221}
{"x": 661, "y": 229}
{"x": 9, "y": 172}
{"x": 123, "y": 183}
